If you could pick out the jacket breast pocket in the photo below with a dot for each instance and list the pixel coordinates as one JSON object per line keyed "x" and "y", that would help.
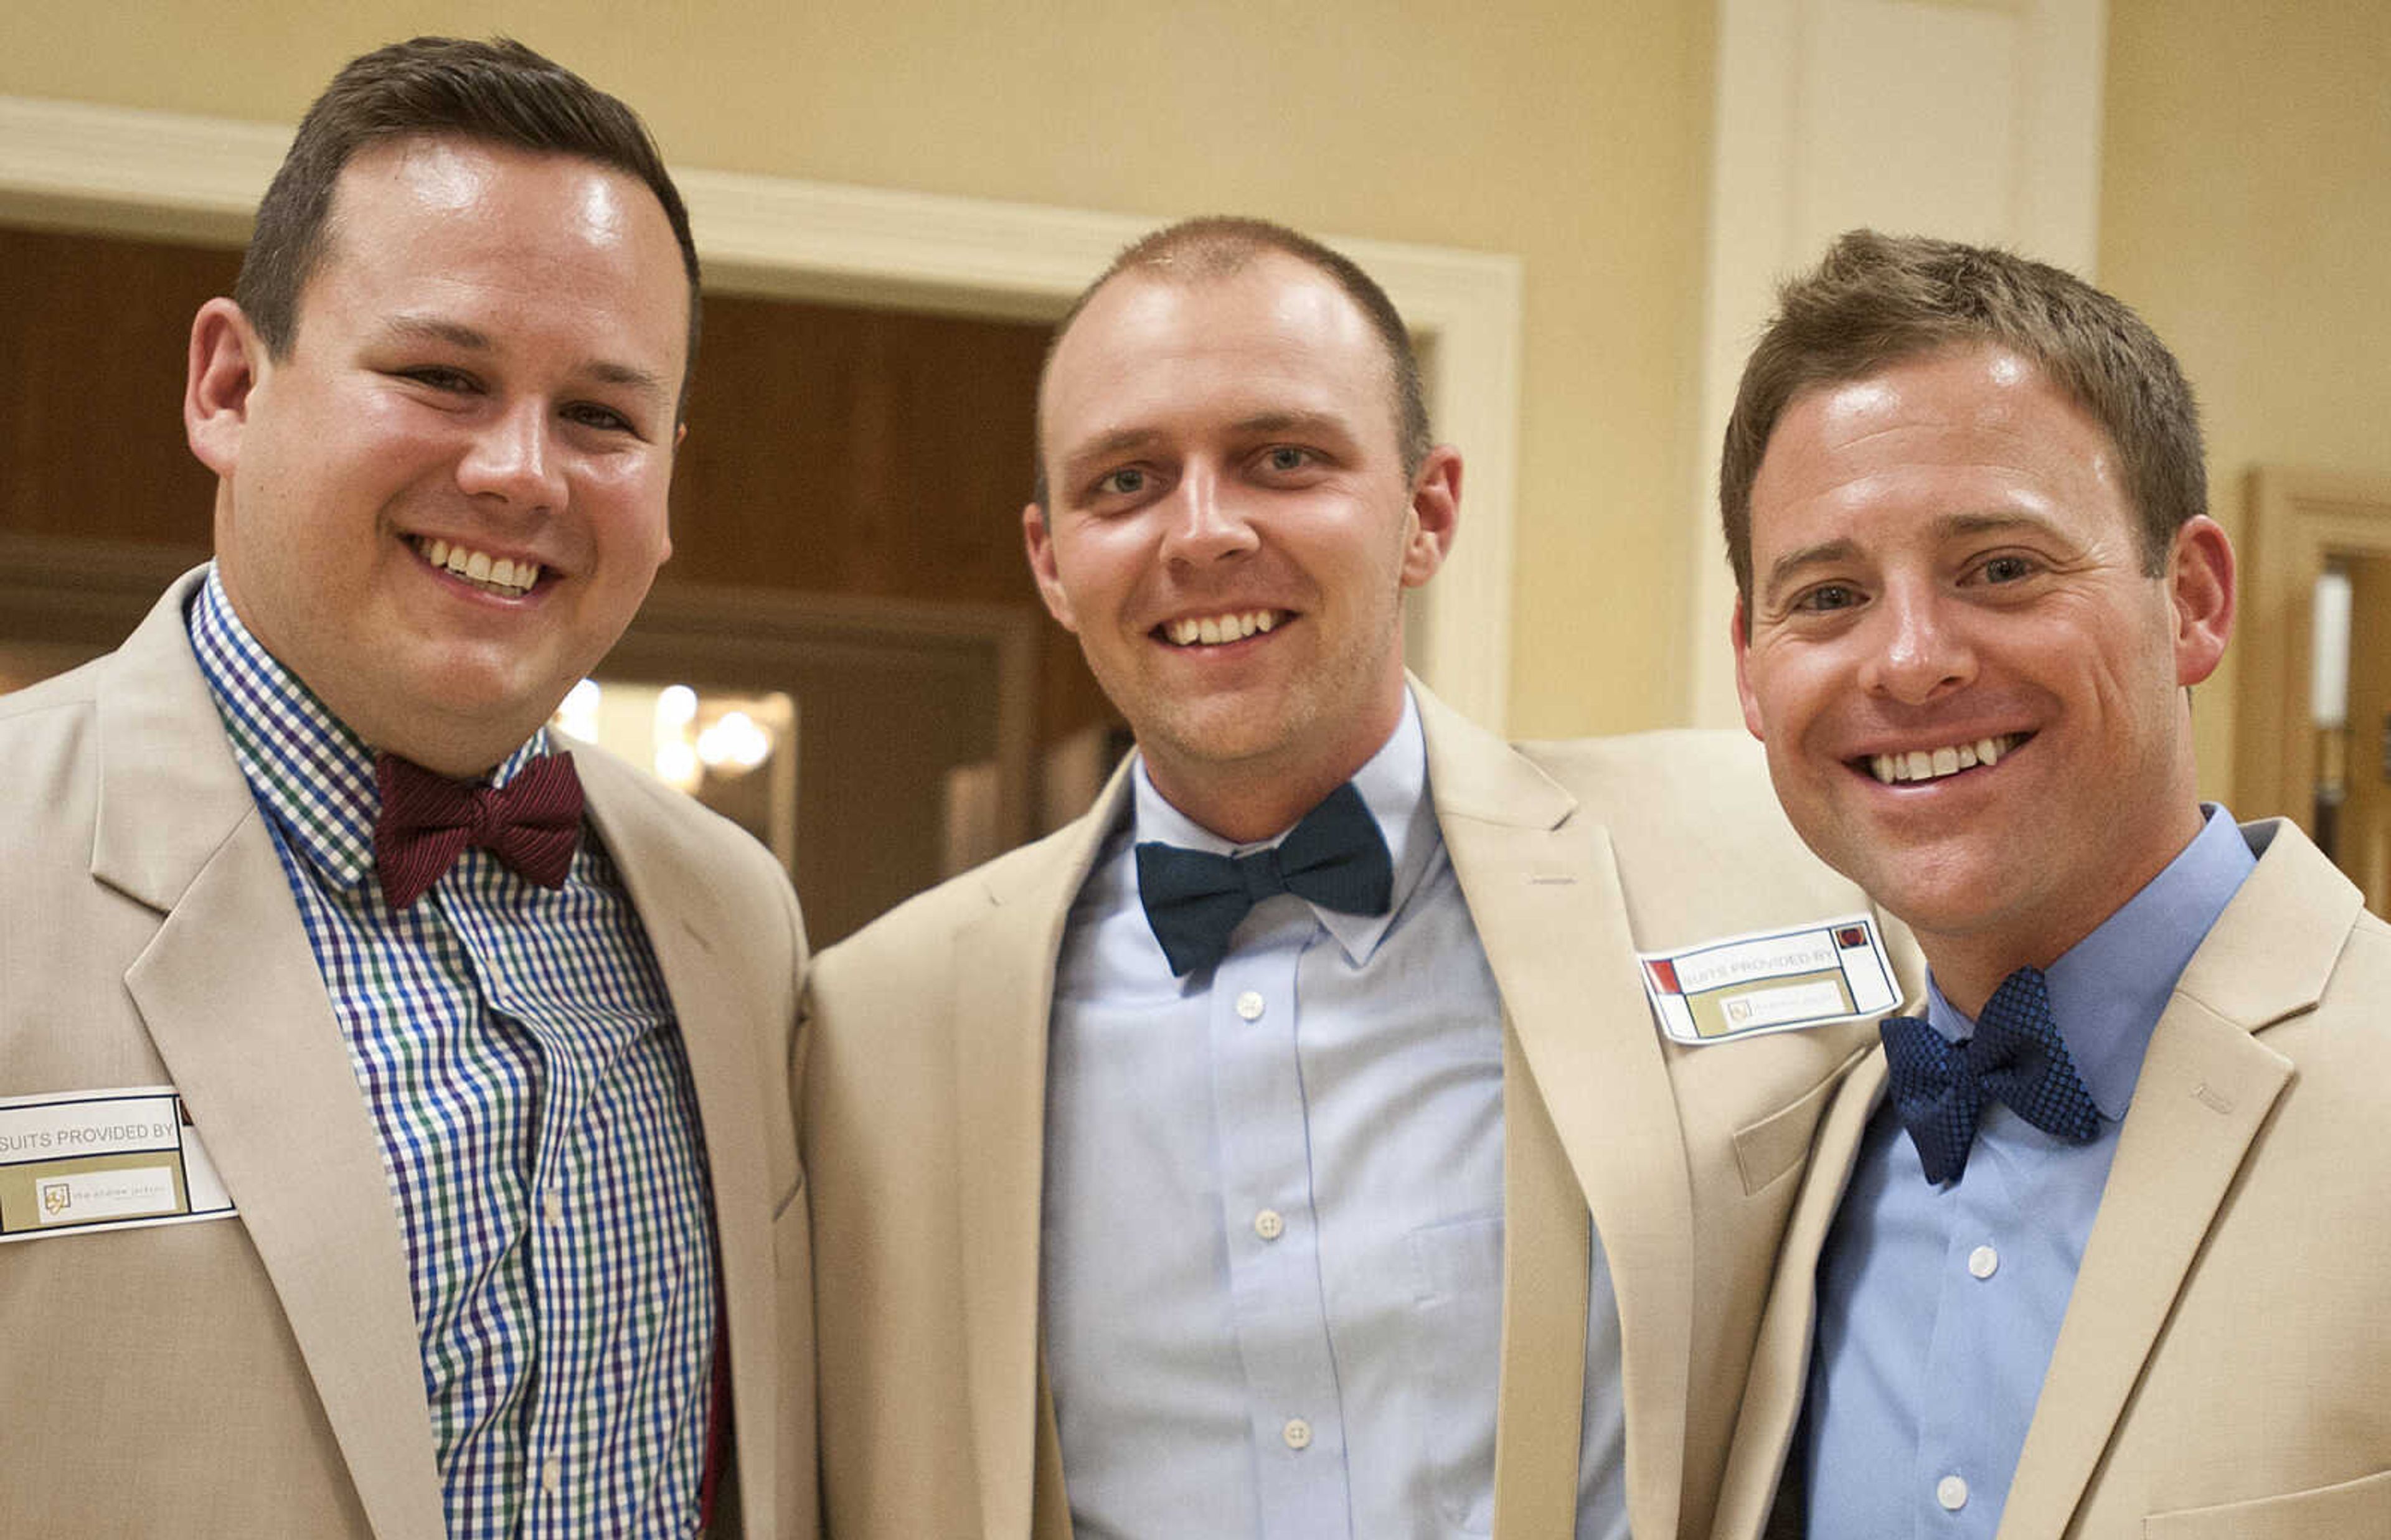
{"x": 2336, "y": 1512}
{"x": 1768, "y": 1148}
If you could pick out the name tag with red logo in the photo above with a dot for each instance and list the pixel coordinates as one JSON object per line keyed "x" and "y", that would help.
{"x": 1771, "y": 980}
{"x": 116, "y": 1159}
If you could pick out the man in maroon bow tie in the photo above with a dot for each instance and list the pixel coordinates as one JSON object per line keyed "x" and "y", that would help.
{"x": 400, "y": 1103}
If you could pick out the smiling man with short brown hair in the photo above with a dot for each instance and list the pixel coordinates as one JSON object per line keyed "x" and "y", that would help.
{"x": 1250, "y": 1149}
{"x": 2112, "y": 1217}
{"x": 479, "y": 1181}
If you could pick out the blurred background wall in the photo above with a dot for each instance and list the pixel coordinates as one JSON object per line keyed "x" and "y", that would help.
{"x": 2243, "y": 162}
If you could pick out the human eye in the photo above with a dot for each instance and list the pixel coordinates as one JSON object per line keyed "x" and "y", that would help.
{"x": 2002, "y": 569}
{"x": 1825, "y": 599}
{"x": 441, "y": 378}
{"x": 605, "y": 418}
{"x": 1290, "y": 464}
{"x": 1128, "y": 481}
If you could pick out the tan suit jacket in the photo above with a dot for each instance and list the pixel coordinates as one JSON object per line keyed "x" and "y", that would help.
{"x": 261, "y": 1375}
{"x": 924, "y": 1109}
{"x": 2224, "y": 1369}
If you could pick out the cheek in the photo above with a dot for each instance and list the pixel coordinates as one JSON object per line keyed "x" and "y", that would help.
{"x": 1783, "y": 689}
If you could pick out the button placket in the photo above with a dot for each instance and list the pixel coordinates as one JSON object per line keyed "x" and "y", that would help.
{"x": 1279, "y": 1311}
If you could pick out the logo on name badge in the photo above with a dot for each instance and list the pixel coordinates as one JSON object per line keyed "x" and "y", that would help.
{"x": 1771, "y": 980}
{"x": 57, "y": 1196}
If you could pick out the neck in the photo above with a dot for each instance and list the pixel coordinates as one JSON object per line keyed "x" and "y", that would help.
{"x": 463, "y": 756}
{"x": 1969, "y": 965}
{"x": 1248, "y": 811}
{"x": 1250, "y": 800}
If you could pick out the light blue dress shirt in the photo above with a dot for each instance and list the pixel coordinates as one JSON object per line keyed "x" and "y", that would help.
{"x": 1938, "y": 1307}
{"x": 1272, "y": 1257}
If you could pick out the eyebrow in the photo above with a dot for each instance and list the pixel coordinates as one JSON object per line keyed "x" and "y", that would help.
{"x": 1122, "y": 441}
{"x": 457, "y": 334}
{"x": 1323, "y": 423}
{"x": 1792, "y": 563}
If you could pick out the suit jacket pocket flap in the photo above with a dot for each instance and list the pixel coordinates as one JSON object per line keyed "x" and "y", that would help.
{"x": 1768, "y": 1148}
{"x": 2363, "y": 1506}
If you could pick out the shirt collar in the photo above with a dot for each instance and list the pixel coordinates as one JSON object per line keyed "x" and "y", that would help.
{"x": 1393, "y": 785}
{"x": 308, "y": 771}
{"x": 2108, "y": 990}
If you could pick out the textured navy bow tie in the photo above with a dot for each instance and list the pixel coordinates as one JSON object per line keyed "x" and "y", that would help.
{"x": 533, "y": 823}
{"x": 1336, "y": 857}
{"x": 2017, "y": 1056}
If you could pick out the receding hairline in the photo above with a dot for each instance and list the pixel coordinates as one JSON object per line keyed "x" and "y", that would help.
{"x": 1224, "y": 259}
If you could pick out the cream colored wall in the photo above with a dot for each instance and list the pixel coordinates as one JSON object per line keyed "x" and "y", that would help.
{"x": 1573, "y": 135}
{"x": 2246, "y": 212}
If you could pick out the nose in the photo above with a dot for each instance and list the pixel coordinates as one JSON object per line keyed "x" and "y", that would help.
{"x": 1207, "y": 524}
{"x": 1920, "y": 654}
{"x": 511, "y": 458}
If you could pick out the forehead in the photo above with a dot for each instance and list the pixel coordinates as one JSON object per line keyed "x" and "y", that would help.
{"x": 1277, "y": 335}
{"x": 1970, "y": 431}
{"x": 434, "y": 215}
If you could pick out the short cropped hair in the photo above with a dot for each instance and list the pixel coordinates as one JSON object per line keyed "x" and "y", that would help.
{"x": 1213, "y": 246}
{"x": 500, "y": 93}
{"x": 1877, "y": 301}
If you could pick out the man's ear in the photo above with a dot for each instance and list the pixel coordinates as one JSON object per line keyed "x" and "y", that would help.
{"x": 227, "y": 355}
{"x": 1741, "y": 641}
{"x": 1038, "y": 539}
{"x": 2199, "y": 582}
{"x": 1434, "y": 514}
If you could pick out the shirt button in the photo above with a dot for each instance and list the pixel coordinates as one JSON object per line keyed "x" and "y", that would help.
{"x": 551, "y": 1204}
{"x": 1249, "y": 1005}
{"x": 551, "y": 1476}
{"x": 1270, "y": 1225}
{"x": 1296, "y": 1433}
{"x": 1983, "y": 1262}
{"x": 1952, "y": 1493}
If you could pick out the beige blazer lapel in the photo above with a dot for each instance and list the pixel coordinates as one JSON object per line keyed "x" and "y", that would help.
{"x": 2206, "y": 1087}
{"x": 685, "y": 923}
{"x": 1543, "y": 892}
{"x": 1003, "y": 998}
{"x": 232, "y": 998}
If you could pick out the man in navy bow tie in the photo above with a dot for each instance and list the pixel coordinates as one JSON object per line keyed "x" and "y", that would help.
{"x": 1236, "y": 1160}
{"x": 2113, "y": 1216}
{"x": 472, "y": 1056}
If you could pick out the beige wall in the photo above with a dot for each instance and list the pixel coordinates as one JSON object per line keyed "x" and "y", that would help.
{"x": 2246, "y": 204}
{"x": 2246, "y": 211}
{"x": 1573, "y": 135}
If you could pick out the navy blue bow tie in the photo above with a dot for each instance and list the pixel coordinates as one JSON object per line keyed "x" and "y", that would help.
{"x": 2017, "y": 1056}
{"x": 1336, "y": 857}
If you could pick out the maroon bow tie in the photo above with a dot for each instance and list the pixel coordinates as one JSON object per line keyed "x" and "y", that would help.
{"x": 532, "y": 823}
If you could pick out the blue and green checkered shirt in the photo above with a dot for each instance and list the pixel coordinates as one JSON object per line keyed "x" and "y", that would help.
{"x": 520, "y": 1057}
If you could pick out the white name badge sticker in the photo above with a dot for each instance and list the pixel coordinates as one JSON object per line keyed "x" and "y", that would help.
{"x": 82, "y": 1161}
{"x": 1771, "y": 980}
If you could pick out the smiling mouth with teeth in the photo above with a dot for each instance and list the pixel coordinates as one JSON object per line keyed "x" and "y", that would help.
{"x": 504, "y": 577}
{"x": 1215, "y": 630}
{"x": 1926, "y": 765}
